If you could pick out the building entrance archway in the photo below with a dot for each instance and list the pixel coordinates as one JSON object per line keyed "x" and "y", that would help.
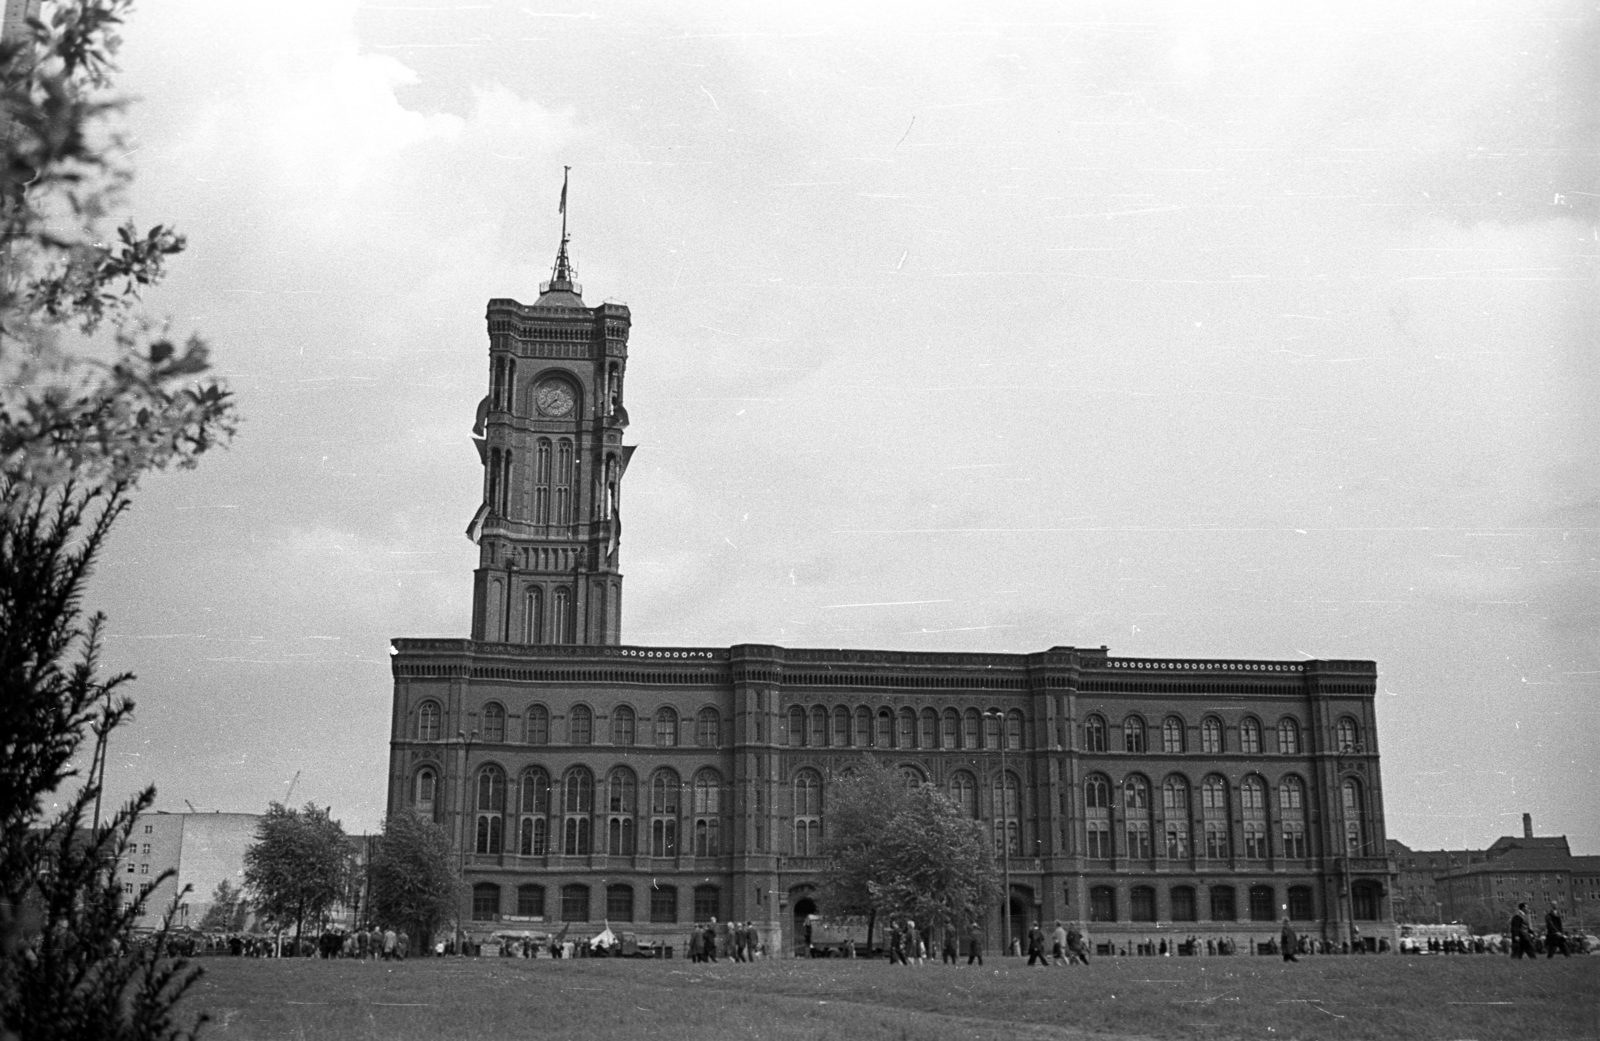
{"x": 805, "y": 910}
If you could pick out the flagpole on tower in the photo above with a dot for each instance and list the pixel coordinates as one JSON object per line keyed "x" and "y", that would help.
{"x": 565, "y": 171}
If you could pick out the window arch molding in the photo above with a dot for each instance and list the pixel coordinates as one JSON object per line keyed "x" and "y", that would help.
{"x": 1097, "y": 789}
{"x": 666, "y": 727}
{"x": 963, "y": 788}
{"x": 1174, "y": 735}
{"x": 624, "y": 726}
{"x": 430, "y": 719}
{"x": 1289, "y": 742}
{"x": 1094, "y": 733}
{"x": 1213, "y": 736}
{"x": 489, "y": 805}
{"x": 580, "y": 725}
{"x": 533, "y": 808}
{"x": 536, "y": 725}
{"x": 666, "y": 792}
{"x": 1134, "y": 731}
{"x": 494, "y": 723}
{"x": 806, "y": 793}
{"x": 1250, "y": 735}
{"x": 708, "y": 727}
{"x": 425, "y": 788}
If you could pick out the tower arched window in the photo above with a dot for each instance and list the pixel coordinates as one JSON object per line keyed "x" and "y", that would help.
{"x": 1348, "y": 735}
{"x": 1094, "y": 734}
{"x": 1175, "y": 817}
{"x": 664, "y": 787}
{"x": 818, "y": 738}
{"x": 622, "y": 726}
{"x": 1353, "y": 808}
{"x": 1007, "y": 804}
{"x": 807, "y": 813}
{"x": 538, "y": 725}
{"x": 797, "y": 726}
{"x": 863, "y": 733}
{"x": 708, "y": 728}
{"x": 533, "y": 802}
{"x": 561, "y": 616}
{"x": 666, "y": 728}
{"x": 505, "y": 483}
{"x": 884, "y": 736}
{"x": 580, "y": 725}
{"x": 707, "y": 813}
{"x": 1172, "y": 736}
{"x": 533, "y": 617}
{"x": 1133, "y": 734}
{"x": 491, "y": 807}
{"x": 428, "y": 721}
{"x": 1136, "y": 811}
{"x": 964, "y": 790}
{"x": 494, "y": 724}
{"x": 563, "y": 483}
{"x": 622, "y": 806}
{"x": 971, "y": 730}
{"x": 929, "y": 735}
{"x": 1253, "y": 809}
{"x": 950, "y": 729}
{"x": 1211, "y": 736}
{"x": 541, "y": 481}
{"x": 577, "y": 809}
{"x": 906, "y": 736}
{"x": 991, "y": 729}
{"x": 492, "y": 479}
{"x": 1288, "y": 736}
{"x": 1097, "y": 816}
{"x": 1014, "y": 725}
{"x": 1249, "y": 736}
{"x": 1292, "y": 817}
{"x": 841, "y": 727}
{"x": 1214, "y": 815}
{"x": 424, "y": 790}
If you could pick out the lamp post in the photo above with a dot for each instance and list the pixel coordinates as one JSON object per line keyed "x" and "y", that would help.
{"x": 1005, "y": 832}
{"x": 461, "y": 913}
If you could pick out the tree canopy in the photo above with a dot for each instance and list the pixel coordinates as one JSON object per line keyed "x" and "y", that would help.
{"x": 415, "y": 884}
{"x": 297, "y": 868}
{"x": 228, "y": 909}
{"x": 904, "y": 849}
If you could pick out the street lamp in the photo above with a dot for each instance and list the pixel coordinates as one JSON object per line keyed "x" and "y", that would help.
{"x": 461, "y": 916}
{"x": 1005, "y": 832}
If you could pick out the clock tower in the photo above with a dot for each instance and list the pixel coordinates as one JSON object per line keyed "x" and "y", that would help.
{"x": 549, "y": 435}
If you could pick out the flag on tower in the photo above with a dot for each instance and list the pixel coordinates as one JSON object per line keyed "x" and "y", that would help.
{"x": 563, "y": 208}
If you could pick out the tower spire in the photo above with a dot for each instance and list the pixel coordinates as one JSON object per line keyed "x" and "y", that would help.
{"x": 561, "y": 274}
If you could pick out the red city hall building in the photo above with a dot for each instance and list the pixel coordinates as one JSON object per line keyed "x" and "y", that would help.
{"x": 588, "y": 781}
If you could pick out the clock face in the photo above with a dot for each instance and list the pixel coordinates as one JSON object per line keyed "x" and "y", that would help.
{"x": 554, "y": 399}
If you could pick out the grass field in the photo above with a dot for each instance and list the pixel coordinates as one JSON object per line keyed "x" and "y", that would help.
{"x": 1335, "y": 998}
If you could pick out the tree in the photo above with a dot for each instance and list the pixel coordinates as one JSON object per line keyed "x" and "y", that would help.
{"x": 415, "y": 884}
{"x": 92, "y": 396}
{"x": 297, "y": 868}
{"x": 228, "y": 910}
{"x": 902, "y": 849}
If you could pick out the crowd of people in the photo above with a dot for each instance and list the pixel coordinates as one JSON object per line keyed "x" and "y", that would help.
{"x": 740, "y": 942}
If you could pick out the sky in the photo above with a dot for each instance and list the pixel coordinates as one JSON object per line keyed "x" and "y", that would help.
{"x": 1230, "y": 330}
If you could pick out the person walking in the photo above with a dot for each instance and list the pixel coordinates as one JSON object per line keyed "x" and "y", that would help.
{"x": 1554, "y": 935}
{"x": 974, "y": 943}
{"x": 948, "y": 955}
{"x": 1521, "y": 933}
{"x": 1077, "y": 946}
{"x": 1288, "y": 940}
{"x": 1036, "y": 946}
{"x": 1058, "y": 943}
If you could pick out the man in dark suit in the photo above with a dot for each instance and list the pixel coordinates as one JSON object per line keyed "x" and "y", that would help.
{"x": 1522, "y": 933}
{"x": 1554, "y": 935}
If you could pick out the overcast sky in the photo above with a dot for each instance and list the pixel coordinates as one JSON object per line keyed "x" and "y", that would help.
{"x": 1248, "y": 330}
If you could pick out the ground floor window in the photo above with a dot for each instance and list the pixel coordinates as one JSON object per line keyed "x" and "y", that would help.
{"x": 530, "y": 901}
{"x": 619, "y": 903}
{"x": 1099, "y": 840}
{"x": 1183, "y": 904}
{"x": 663, "y": 905}
{"x": 1142, "y": 904}
{"x": 707, "y": 903}
{"x": 485, "y": 902}
{"x": 1261, "y": 904}
{"x": 1102, "y": 904}
{"x": 574, "y": 903}
{"x": 1301, "y": 908}
{"x": 1294, "y": 841}
{"x": 1364, "y": 899}
{"x": 1223, "y": 908}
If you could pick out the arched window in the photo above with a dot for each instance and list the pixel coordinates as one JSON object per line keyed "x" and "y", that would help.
{"x": 807, "y": 813}
{"x": 1366, "y": 900}
{"x": 964, "y": 790}
{"x": 1136, "y": 810}
{"x": 491, "y": 809}
{"x": 563, "y": 484}
{"x": 622, "y": 726}
{"x": 530, "y": 901}
{"x": 971, "y": 730}
{"x": 1253, "y": 807}
{"x": 1249, "y": 736}
{"x": 541, "y": 482}
{"x": 797, "y": 726}
{"x": 819, "y": 727}
{"x": 663, "y": 905}
{"x": 1211, "y": 742}
{"x": 1214, "y": 814}
{"x": 863, "y": 734}
{"x": 1301, "y": 906}
{"x": 562, "y": 616}
{"x": 1288, "y": 736}
{"x": 1172, "y": 732}
{"x": 1352, "y": 806}
{"x": 1133, "y": 734}
{"x": 883, "y": 736}
{"x": 1175, "y": 814}
{"x": 664, "y": 814}
{"x": 577, "y": 806}
{"x": 1014, "y": 725}
{"x": 707, "y": 813}
{"x": 428, "y": 721}
{"x": 1007, "y": 812}
{"x": 907, "y": 735}
{"x": 619, "y": 902}
{"x": 533, "y": 617}
{"x": 580, "y": 725}
{"x": 1223, "y": 908}
{"x": 423, "y": 790}
{"x": 841, "y": 727}
{"x": 622, "y": 805}
{"x": 950, "y": 729}
{"x": 1292, "y": 815}
{"x": 1097, "y": 816}
{"x": 928, "y": 737}
{"x": 485, "y": 902}
{"x": 1102, "y": 904}
{"x": 1094, "y": 734}
{"x": 533, "y": 839}
{"x": 707, "y": 903}
{"x": 991, "y": 729}
{"x": 575, "y": 903}
{"x": 708, "y": 728}
{"x": 1348, "y": 735}
{"x": 1142, "y": 904}
{"x": 1263, "y": 904}
{"x": 1183, "y": 906}
{"x": 538, "y": 725}
{"x": 666, "y": 728}
{"x": 912, "y": 776}
{"x": 494, "y": 724}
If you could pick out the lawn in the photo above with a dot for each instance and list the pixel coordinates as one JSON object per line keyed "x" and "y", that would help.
{"x": 1480, "y": 997}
